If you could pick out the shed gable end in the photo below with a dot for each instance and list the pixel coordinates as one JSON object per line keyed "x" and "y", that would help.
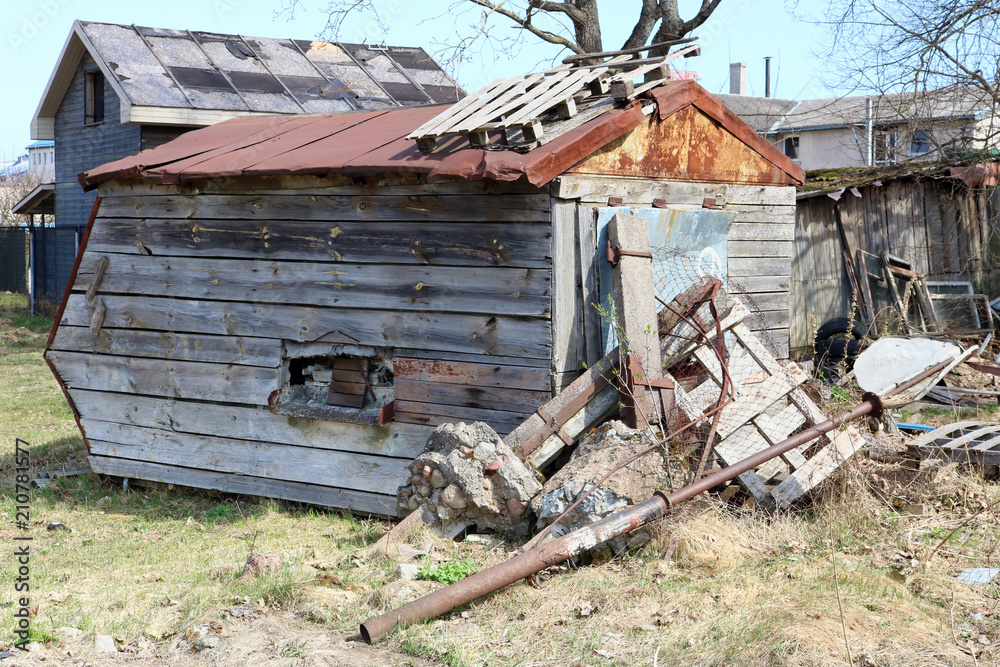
{"x": 689, "y": 145}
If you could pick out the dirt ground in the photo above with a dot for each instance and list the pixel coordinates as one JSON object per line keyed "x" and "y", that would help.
{"x": 263, "y": 639}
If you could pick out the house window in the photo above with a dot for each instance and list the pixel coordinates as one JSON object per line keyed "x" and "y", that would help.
{"x": 920, "y": 143}
{"x": 93, "y": 98}
{"x": 886, "y": 146}
{"x": 792, "y": 147}
{"x": 347, "y": 383}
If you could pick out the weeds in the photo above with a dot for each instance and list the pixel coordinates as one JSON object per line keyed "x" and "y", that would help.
{"x": 448, "y": 573}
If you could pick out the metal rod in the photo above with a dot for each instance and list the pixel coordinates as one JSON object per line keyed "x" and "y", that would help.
{"x": 535, "y": 560}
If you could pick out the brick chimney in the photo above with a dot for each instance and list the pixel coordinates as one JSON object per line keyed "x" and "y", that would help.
{"x": 738, "y": 78}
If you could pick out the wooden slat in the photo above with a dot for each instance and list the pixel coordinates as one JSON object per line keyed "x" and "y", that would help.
{"x": 446, "y": 243}
{"x": 494, "y": 290}
{"x": 598, "y": 408}
{"x": 584, "y": 389}
{"x": 167, "y": 345}
{"x": 356, "y": 501}
{"x": 590, "y": 289}
{"x": 442, "y": 355}
{"x": 513, "y": 208}
{"x": 479, "y": 375}
{"x": 946, "y": 431}
{"x": 476, "y": 334}
{"x": 166, "y": 377}
{"x": 253, "y": 424}
{"x": 496, "y": 106}
{"x": 309, "y": 465}
{"x": 398, "y": 184}
{"x": 464, "y": 107}
{"x": 567, "y": 313}
{"x": 818, "y": 468}
{"x": 433, "y": 414}
{"x": 490, "y": 398}
{"x": 759, "y": 248}
{"x": 553, "y": 93}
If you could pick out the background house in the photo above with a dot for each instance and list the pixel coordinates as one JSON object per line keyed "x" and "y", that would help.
{"x": 862, "y": 130}
{"x": 119, "y": 89}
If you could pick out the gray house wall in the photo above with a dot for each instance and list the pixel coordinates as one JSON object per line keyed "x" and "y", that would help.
{"x": 80, "y": 147}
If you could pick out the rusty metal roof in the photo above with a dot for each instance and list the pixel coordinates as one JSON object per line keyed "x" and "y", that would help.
{"x": 373, "y": 142}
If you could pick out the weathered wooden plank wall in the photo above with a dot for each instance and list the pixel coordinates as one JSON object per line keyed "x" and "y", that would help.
{"x": 201, "y": 291}
{"x": 759, "y": 250}
{"x": 947, "y": 231}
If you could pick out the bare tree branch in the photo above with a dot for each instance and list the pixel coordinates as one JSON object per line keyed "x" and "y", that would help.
{"x": 570, "y": 24}
{"x": 525, "y": 23}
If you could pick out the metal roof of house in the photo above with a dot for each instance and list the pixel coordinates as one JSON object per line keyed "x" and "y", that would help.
{"x": 184, "y": 77}
{"x": 374, "y": 142}
{"x": 772, "y": 116}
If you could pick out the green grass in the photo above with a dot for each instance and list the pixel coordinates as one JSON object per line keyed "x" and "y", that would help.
{"x": 32, "y": 406}
{"x": 742, "y": 587}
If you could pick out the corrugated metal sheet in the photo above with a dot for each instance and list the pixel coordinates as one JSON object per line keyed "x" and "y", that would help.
{"x": 373, "y": 142}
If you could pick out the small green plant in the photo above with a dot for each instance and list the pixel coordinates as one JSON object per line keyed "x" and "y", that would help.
{"x": 448, "y": 573}
{"x": 840, "y": 395}
{"x": 293, "y": 649}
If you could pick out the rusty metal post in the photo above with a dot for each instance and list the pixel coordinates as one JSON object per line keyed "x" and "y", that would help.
{"x": 534, "y": 560}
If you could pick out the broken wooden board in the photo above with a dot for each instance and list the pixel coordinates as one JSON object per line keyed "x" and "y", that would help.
{"x": 558, "y": 423}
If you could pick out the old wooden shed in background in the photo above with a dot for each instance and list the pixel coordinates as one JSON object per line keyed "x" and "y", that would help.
{"x": 286, "y": 307}
{"x": 940, "y": 219}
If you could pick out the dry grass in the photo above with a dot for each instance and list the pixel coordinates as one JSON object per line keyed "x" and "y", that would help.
{"x": 742, "y": 587}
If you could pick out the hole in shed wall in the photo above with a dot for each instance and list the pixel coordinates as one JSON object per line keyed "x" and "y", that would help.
{"x": 334, "y": 382}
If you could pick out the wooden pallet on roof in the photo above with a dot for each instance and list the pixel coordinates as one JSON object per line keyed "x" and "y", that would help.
{"x": 517, "y": 104}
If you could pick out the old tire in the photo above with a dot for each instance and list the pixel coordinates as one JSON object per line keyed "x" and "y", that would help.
{"x": 837, "y": 327}
{"x": 839, "y": 339}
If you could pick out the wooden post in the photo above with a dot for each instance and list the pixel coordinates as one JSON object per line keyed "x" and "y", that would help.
{"x": 635, "y": 305}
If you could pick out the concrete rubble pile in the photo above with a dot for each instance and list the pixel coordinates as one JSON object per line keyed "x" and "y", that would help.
{"x": 467, "y": 476}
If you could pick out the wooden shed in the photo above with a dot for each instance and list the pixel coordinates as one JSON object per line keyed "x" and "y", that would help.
{"x": 287, "y": 307}
{"x": 940, "y": 219}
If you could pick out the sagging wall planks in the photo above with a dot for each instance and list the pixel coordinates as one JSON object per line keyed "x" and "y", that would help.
{"x": 198, "y": 312}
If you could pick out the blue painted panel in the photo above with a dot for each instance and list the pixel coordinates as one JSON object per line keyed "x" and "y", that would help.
{"x": 686, "y": 245}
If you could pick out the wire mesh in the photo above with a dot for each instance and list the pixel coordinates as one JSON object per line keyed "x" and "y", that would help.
{"x": 732, "y": 397}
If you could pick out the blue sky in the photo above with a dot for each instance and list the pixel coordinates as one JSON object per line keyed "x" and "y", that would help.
{"x": 34, "y": 32}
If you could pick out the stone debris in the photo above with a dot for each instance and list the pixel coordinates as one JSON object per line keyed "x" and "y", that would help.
{"x": 467, "y": 476}
{"x": 258, "y": 564}
{"x": 105, "y": 644}
{"x": 204, "y": 636}
{"x": 406, "y": 572}
{"x": 599, "y": 451}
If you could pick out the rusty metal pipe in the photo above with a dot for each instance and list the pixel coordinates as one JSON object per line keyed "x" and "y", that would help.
{"x": 534, "y": 560}
{"x": 552, "y": 553}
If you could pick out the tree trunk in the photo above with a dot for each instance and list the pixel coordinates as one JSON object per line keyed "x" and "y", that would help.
{"x": 588, "y": 31}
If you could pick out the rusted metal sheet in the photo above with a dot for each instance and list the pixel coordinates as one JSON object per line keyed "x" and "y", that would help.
{"x": 686, "y": 142}
{"x": 691, "y": 148}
